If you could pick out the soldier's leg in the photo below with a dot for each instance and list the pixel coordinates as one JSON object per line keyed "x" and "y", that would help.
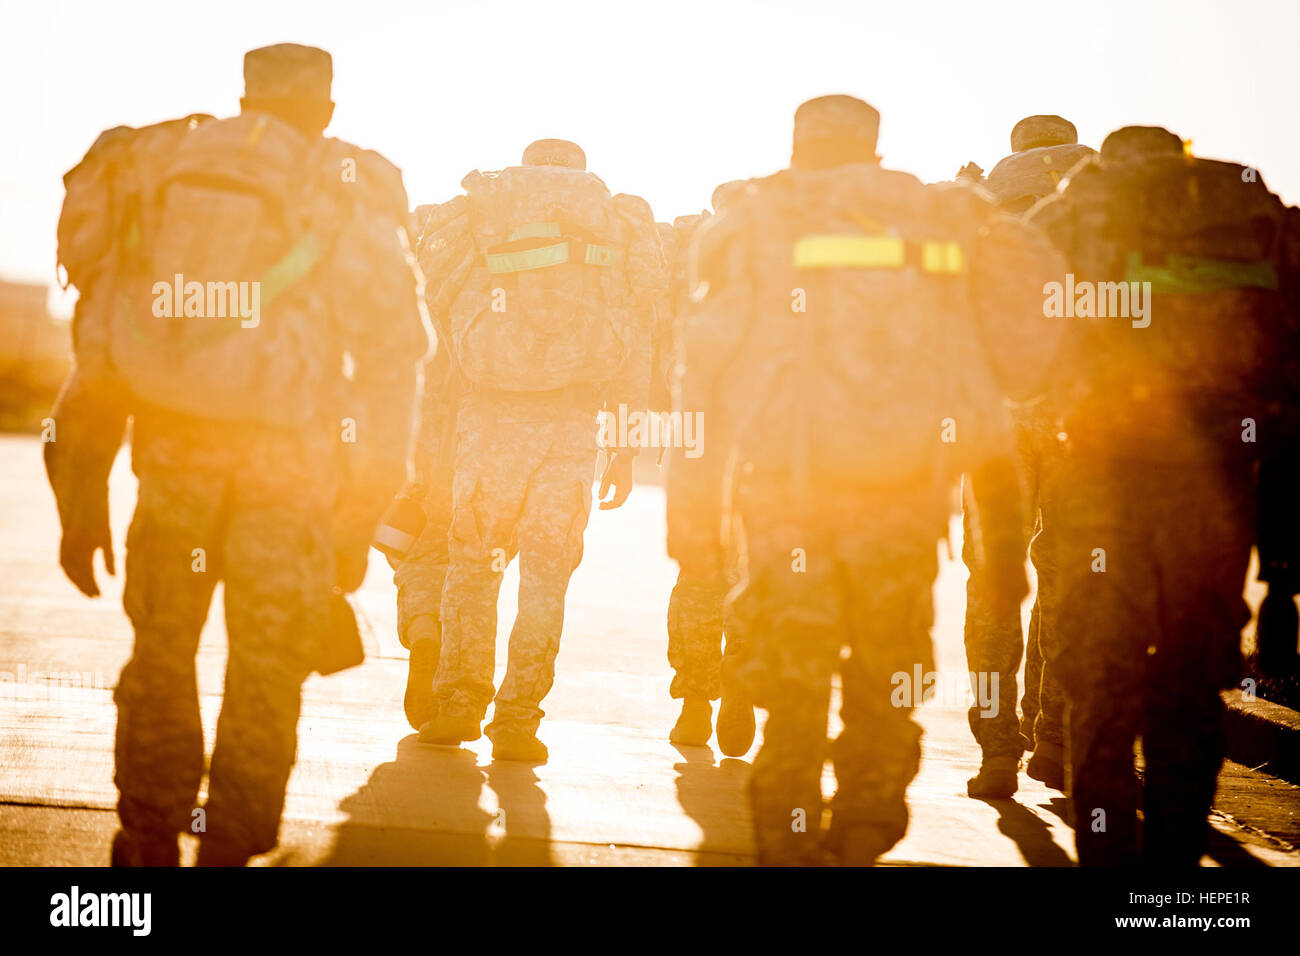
{"x": 420, "y": 579}
{"x": 551, "y": 526}
{"x": 695, "y": 638}
{"x": 279, "y": 574}
{"x": 493, "y": 469}
{"x": 879, "y": 750}
{"x": 736, "y": 724}
{"x": 159, "y": 745}
{"x": 695, "y": 654}
{"x": 994, "y": 646}
{"x": 1105, "y": 621}
{"x": 1204, "y": 554}
{"x": 795, "y": 625}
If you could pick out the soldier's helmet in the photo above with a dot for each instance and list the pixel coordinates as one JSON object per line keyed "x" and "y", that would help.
{"x": 834, "y": 126}
{"x": 1040, "y": 130}
{"x": 1138, "y": 142}
{"x": 555, "y": 152}
{"x": 288, "y": 71}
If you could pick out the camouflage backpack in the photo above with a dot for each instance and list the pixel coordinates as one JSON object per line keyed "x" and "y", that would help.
{"x": 196, "y": 300}
{"x": 550, "y": 294}
{"x": 838, "y": 328}
{"x": 1021, "y": 179}
{"x": 1207, "y": 239}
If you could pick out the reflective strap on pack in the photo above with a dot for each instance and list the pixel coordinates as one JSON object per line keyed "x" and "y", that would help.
{"x": 536, "y": 230}
{"x": 940, "y": 257}
{"x": 1192, "y": 274}
{"x": 539, "y": 258}
{"x": 601, "y": 256}
{"x": 545, "y": 256}
{"x": 849, "y": 252}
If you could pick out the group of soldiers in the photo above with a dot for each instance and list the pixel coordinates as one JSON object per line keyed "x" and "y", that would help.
{"x": 860, "y": 344}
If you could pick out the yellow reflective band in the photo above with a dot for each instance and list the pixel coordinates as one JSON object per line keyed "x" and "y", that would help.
{"x": 539, "y": 258}
{"x": 601, "y": 256}
{"x": 849, "y": 252}
{"x": 942, "y": 257}
{"x": 535, "y": 230}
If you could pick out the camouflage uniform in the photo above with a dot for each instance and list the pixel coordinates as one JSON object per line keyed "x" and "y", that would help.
{"x": 1156, "y": 504}
{"x": 695, "y": 607}
{"x": 522, "y": 482}
{"x": 842, "y": 490}
{"x": 282, "y": 514}
{"x": 1044, "y": 148}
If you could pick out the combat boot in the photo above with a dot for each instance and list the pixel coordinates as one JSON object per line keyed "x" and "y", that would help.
{"x": 997, "y": 779}
{"x": 448, "y": 730}
{"x": 1048, "y": 765}
{"x": 520, "y": 745}
{"x": 694, "y": 726}
{"x": 131, "y": 848}
{"x": 735, "y": 723}
{"x": 420, "y": 703}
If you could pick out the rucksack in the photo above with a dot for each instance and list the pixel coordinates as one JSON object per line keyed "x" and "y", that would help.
{"x": 1019, "y": 180}
{"x": 838, "y": 327}
{"x": 548, "y": 298}
{"x": 1208, "y": 238}
{"x": 198, "y": 304}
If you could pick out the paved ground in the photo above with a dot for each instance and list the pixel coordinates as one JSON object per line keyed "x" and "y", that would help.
{"x": 365, "y": 792}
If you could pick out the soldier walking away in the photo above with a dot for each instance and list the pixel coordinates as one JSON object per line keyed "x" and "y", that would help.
{"x": 837, "y": 343}
{"x": 1173, "y": 402}
{"x": 414, "y": 533}
{"x": 1044, "y": 148}
{"x": 697, "y": 617}
{"x": 544, "y": 283}
{"x": 225, "y": 268}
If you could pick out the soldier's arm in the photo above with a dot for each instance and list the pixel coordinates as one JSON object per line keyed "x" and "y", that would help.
{"x": 89, "y": 424}
{"x": 375, "y": 290}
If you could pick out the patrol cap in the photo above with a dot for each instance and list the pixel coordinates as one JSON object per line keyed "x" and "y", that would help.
{"x": 1136, "y": 142}
{"x": 836, "y": 118}
{"x": 1042, "y": 130}
{"x": 288, "y": 71}
{"x": 555, "y": 152}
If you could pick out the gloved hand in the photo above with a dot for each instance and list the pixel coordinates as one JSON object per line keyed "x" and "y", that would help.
{"x": 1005, "y": 572}
{"x": 85, "y": 531}
{"x": 1276, "y": 633}
{"x": 618, "y": 473}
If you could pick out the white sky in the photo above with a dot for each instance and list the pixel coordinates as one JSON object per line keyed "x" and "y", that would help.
{"x": 667, "y": 98}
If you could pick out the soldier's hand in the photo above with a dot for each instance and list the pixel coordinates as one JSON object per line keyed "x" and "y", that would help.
{"x": 77, "y": 554}
{"x": 618, "y": 473}
{"x": 1276, "y": 634}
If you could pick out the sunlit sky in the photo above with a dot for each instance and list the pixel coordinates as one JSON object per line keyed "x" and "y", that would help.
{"x": 668, "y": 98}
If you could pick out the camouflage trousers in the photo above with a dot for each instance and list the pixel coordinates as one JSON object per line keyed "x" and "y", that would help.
{"x": 1151, "y": 560}
{"x": 524, "y": 471}
{"x": 996, "y": 644}
{"x": 865, "y": 586}
{"x": 265, "y": 531}
{"x": 697, "y": 620}
{"x": 421, "y": 575}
